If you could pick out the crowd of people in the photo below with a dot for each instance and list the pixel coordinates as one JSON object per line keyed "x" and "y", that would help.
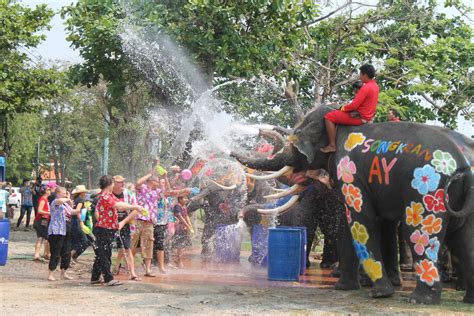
{"x": 148, "y": 216}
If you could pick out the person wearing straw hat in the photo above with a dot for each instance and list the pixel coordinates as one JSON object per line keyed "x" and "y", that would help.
{"x": 79, "y": 242}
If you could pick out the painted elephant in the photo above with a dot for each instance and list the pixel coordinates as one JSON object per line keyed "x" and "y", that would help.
{"x": 223, "y": 194}
{"x": 397, "y": 172}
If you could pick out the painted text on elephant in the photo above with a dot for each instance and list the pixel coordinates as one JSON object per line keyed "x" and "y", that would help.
{"x": 383, "y": 146}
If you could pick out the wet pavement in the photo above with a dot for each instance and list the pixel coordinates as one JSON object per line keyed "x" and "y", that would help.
{"x": 199, "y": 272}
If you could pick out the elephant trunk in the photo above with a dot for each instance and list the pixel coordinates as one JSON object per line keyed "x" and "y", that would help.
{"x": 468, "y": 207}
{"x": 279, "y": 161}
{"x": 276, "y": 138}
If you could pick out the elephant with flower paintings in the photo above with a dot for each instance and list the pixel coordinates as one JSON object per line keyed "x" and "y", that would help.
{"x": 397, "y": 172}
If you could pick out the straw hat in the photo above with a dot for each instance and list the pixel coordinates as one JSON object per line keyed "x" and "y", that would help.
{"x": 118, "y": 178}
{"x": 79, "y": 189}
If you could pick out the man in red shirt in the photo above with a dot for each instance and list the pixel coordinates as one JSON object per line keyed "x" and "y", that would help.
{"x": 392, "y": 116}
{"x": 364, "y": 104}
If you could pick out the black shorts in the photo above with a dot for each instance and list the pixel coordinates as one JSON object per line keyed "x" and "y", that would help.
{"x": 159, "y": 234}
{"x": 124, "y": 240}
{"x": 41, "y": 227}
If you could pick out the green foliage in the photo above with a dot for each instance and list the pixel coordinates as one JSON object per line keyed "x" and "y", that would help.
{"x": 19, "y": 81}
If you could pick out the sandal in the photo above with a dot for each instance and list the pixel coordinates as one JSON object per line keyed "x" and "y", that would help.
{"x": 135, "y": 278}
{"x": 114, "y": 283}
{"x": 95, "y": 282}
{"x": 151, "y": 275}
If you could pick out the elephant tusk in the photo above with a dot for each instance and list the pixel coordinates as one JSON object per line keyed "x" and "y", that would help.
{"x": 280, "y": 209}
{"x": 224, "y": 187}
{"x": 273, "y": 175}
{"x": 290, "y": 191}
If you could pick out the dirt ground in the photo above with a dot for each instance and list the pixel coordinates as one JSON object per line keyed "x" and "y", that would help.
{"x": 201, "y": 289}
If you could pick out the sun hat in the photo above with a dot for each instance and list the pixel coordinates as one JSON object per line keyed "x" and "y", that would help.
{"x": 79, "y": 189}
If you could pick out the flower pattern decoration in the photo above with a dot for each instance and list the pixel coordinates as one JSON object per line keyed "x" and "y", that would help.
{"x": 346, "y": 170}
{"x": 359, "y": 233}
{"x": 420, "y": 240}
{"x": 352, "y": 196}
{"x": 433, "y": 249}
{"x": 444, "y": 162}
{"x": 361, "y": 250}
{"x": 373, "y": 269}
{"x": 354, "y": 140}
{"x": 435, "y": 202}
{"x": 432, "y": 225}
{"x": 427, "y": 272}
{"x": 414, "y": 214}
{"x": 348, "y": 215}
{"x": 425, "y": 179}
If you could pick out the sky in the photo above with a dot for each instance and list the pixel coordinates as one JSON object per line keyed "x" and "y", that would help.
{"x": 55, "y": 47}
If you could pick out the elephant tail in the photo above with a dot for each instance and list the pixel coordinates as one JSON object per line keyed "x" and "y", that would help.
{"x": 468, "y": 206}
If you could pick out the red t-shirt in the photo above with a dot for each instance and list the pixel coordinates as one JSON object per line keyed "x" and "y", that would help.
{"x": 39, "y": 216}
{"x": 108, "y": 217}
{"x": 365, "y": 101}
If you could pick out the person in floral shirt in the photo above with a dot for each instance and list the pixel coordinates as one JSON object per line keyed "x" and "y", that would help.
{"x": 105, "y": 229}
{"x": 148, "y": 194}
{"x": 59, "y": 233}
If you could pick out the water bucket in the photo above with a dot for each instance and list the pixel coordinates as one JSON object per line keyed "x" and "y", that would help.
{"x": 4, "y": 237}
{"x": 304, "y": 239}
{"x": 284, "y": 254}
{"x": 227, "y": 243}
{"x": 259, "y": 255}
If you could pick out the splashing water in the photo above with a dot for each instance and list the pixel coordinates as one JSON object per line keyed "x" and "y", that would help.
{"x": 227, "y": 242}
{"x": 166, "y": 66}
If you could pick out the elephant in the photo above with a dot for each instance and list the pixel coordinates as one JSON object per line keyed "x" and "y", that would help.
{"x": 223, "y": 194}
{"x": 396, "y": 172}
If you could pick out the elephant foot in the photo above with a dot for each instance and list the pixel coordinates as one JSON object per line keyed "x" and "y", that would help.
{"x": 427, "y": 297}
{"x": 365, "y": 281}
{"x": 382, "y": 288}
{"x": 395, "y": 280}
{"x": 347, "y": 285}
{"x": 336, "y": 273}
{"x": 460, "y": 285}
{"x": 469, "y": 298}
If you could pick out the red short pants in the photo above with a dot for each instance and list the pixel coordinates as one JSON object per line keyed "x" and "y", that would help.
{"x": 343, "y": 118}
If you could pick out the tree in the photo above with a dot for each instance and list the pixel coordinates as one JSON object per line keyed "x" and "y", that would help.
{"x": 20, "y": 82}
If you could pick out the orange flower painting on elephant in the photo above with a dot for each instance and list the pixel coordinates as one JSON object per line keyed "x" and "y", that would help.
{"x": 427, "y": 272}
{"x": 353, "y": 196}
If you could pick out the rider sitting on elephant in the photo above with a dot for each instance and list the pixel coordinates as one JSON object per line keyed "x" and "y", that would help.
{"x": 364, "y": 103}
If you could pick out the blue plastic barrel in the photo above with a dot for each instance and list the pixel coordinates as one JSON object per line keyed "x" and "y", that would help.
{"x": 284, "y": 254}
{"x": 4, "y": 237}
{"x": 227, "y": 243}
{"x": 259, "y": 255}
{"x": 304, "y": 239}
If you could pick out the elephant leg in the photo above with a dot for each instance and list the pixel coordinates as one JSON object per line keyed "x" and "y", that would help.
{"x": 207, "y": 233}
{"x": 348, "y": 263}
{"x": 389, "y": 248}
{"x": 461, "y": 245}
{"x": 310, "y": 235}
{"x": 406, "y": 260}
{"x": 425, "y": 244}
{"x": 366, "y": 239}
{"x": 329, "y": 253}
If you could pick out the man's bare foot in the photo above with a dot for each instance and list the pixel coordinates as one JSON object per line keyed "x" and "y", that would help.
{"x": 51, "y": 277}
{"x": 162, "y": 270}
{"x": 328, "y": 149}
{"x": 65, "y": 276}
